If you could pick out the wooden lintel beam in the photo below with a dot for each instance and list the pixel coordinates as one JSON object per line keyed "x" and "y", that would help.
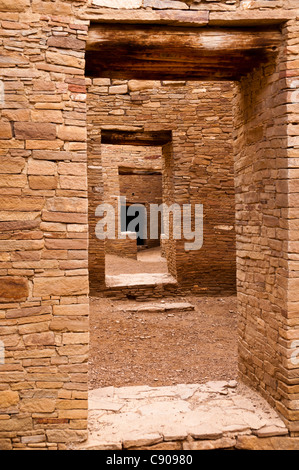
{"x": 135, "y": 37}
{"x": 155, "y": 52}
{"x": 159, "y": 70}
{"x": 118, "y": 137}
{"x": 142, "y": 75}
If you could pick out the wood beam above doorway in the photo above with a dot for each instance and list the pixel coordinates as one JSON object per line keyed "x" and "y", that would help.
{"x": 163, "y": 52}
{"x": 152, "y": 139}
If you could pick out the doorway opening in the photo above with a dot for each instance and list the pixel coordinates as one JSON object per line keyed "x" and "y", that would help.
{"x": 137, "y": 175}
{"x": 202, "y": 155}
{"x": 141, "y": 188}
{"x": 138, "y": 164}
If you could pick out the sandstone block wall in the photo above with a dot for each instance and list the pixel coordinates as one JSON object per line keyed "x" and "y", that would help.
{"x": 136, "y": 188}
{"x": 43, "y": 274}
{"x": 197, "y": 170}
{"x": 168, "y": 244}
{"x": 146, "y": 190}
{"x": 125, "y": 247}
{"x": 43, "y": 226}
{"x": 267, "y": 208}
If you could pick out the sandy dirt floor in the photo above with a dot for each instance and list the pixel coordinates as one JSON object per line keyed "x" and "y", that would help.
{"x": 158, "y": 349}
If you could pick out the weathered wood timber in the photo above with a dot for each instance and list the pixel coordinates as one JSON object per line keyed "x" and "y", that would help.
{"x": 135, "y": 51}
{"x": 135, "y": 138}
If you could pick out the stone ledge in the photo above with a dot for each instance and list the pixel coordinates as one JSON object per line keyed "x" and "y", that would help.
{"x": 214, "y": 415}
{"x": 249, "y": 18}
{"x": 189, "y": 18}
{"x": 171, "y": 17}
{"x": 270, "y": 443}
{"x": 139, "y": 280}
{"x": 161, "y": 307}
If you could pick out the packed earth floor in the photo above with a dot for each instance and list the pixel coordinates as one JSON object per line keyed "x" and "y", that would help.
{"x": 131, "y": 347}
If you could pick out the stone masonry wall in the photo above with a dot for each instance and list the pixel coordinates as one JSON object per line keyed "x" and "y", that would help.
{"x": 267, "y": 230}
{"x": 200, "y": 169}
{"x": 136, "y": 188}
{"x": 144, "y": 189}
{"x": 126, "y": 247}
{"x": 44, "y": 279}
{"x": 43, "y": 226}
{"x": 168, "y": 244}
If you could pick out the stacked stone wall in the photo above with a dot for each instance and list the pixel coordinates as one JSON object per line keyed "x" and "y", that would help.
{"x": 136, "y": 188}
{"x": 44, "y": 227}
{"x": 197, "y": 167}
{"x": 43, "y": 247}
{"x": 266, "y": 141}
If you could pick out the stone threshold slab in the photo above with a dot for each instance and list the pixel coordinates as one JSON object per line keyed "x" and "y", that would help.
{"x": 168, "y": 307}
{"x": 139, "y": 280}
{"x": 188, "y": 416}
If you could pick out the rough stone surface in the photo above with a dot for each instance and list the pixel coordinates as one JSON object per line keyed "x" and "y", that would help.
{"x": 270, "y": 443}
{"x": 118, "y": 4}
{"x": 13, "y": 288}
{"x": 36, "y": 79}
{"x": 165, "y": 4}
{"x": 18, "y": 5}
{"x": 8, "y": 399}
{"x": 74, "y": 285}
{"x": 39, "y": 131}
{"x": 199, "y": 126}
{"x": 195, "y": 417}
{"x": 160, "y": 307}
{"x": 123, "y": 280}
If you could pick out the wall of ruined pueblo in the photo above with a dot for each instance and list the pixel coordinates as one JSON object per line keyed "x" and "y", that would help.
{"x": 146, "y": 190}
{"x": 44, "y": 210}
{"x": 119, "y": 163}
{"x": 200, "y": 171}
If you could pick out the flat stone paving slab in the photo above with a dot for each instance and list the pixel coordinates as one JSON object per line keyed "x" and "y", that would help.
{"x": 129, "y": 417}
{"x": 149, "y": 307}
{"x": 140, "y": 279}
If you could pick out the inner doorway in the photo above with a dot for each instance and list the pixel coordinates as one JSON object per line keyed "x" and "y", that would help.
{"x": 158, "y": 336}
{"x": 137, "y": 177}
